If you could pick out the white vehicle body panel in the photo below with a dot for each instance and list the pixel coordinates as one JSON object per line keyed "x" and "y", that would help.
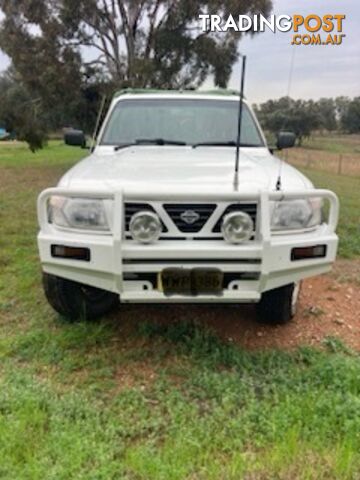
{"x": 185, "y": 169}
{"x": 163, "y": 174}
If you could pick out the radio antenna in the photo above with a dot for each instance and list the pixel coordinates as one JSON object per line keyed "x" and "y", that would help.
{"x": 278, "y": 185}
{"x": 238, "y": 142}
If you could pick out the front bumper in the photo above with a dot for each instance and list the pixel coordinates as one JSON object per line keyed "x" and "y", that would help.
{"x": 130, "y": 269}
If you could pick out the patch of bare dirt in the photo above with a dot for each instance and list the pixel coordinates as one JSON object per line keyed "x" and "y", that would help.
{"x": 347, "y": 271}
{"x": 14, "y": 179}
{"x": 329, "y": 306}
{"x": 6, "y": 143}
{"x": 138, "y": 373}
{"x": 327, "y": 309}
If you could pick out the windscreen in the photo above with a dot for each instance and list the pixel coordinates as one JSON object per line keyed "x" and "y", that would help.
{"x": 179, "y": 120}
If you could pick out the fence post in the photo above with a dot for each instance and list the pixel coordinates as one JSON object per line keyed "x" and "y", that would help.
{"x": 340, "y": 164}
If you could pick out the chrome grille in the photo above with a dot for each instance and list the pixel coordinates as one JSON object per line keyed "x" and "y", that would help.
{"x": 189, "y": 217}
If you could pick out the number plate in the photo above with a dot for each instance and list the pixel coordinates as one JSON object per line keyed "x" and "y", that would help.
{"x": 197, "y": 281}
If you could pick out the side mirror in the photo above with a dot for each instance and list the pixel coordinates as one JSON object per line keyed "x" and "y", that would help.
{"x": 75, "y": 138}
{"x": 285, "y": 140}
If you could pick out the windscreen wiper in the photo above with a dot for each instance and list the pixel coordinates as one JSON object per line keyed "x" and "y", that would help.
{"x": 149, "y": 141}
{"x": 223, "y": 144}
{"x": 158, "y": 141}
{"x": 123, "y": 145}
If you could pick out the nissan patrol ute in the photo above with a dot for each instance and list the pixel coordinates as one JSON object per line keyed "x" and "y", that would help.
{"x": 156, "y": 213}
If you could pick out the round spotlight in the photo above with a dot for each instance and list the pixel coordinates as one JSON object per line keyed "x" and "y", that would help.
{"x": 237, "y": 227}
{"x": 145, "y": 227}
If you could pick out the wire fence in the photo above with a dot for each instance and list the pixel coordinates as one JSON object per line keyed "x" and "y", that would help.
{"x": 341, "y": 164}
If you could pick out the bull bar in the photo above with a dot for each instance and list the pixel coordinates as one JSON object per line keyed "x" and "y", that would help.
{"x": 113, "y": 257}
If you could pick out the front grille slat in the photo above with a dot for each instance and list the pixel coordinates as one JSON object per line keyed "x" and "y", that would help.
{"x": 202, "y": 211}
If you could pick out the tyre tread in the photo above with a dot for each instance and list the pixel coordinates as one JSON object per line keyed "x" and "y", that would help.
{"x": 274, "y": 307}
{"x": 67, "y": 298}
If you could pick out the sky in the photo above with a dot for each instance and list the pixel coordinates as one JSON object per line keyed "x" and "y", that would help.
{"x": 318, "y": 71}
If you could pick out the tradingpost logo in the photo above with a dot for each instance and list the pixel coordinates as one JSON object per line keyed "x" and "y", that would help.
{"x": 311, "y": 29}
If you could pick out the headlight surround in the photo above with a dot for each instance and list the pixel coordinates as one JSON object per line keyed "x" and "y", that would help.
{"x": 78, "y": 213}
{"x": 296, "y": 214}
{"x": 237, "y": 227}
{"x": 145, "y": 227}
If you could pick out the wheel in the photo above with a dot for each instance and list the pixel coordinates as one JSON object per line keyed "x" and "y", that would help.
{"x": 77, "y": 301}
{"x": 278, "y": 306}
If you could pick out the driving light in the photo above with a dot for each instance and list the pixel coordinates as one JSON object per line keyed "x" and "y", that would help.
{"x": 296, "y": 214}
{"x": 237, "y": 227}
{"x": 145, "y": 227}
{"x": 80, "y": 213}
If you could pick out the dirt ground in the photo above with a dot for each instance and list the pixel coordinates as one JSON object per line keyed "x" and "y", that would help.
{"x": 329, "y": 306}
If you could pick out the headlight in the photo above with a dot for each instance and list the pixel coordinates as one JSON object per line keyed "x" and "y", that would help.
{"x": 296, "y": 214}
{"x": 81, "y": 213}
{"x": 237, "y": 227}
{"x": 145, "y": 227}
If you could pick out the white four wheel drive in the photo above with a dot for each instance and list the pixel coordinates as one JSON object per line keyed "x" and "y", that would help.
{"x": 157, "y": 214}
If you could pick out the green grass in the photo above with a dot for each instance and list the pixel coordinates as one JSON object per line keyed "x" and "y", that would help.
{"x": 211, "y": 411}
{"x": 17, "y": 154}
{"x": 334, "y": 143}
{"x": 140, "y": 400}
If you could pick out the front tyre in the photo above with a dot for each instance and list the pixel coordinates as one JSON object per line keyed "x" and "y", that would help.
{"x": 76, "y": 301}
{"x": 278, "y": 306}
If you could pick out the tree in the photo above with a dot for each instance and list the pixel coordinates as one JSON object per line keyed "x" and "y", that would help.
{"x": 342, "y": 105}
{"x": 348, "y": 113}
{"x": 299, "y": 116}
{"x": 30, "y": 117}
{"x": 20, "y": 113}
{"x": 350, "y": 120}
{"x": 327, "y": 114}
{"x": 61, "y": 48}
{"x": 140, "y": 42}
